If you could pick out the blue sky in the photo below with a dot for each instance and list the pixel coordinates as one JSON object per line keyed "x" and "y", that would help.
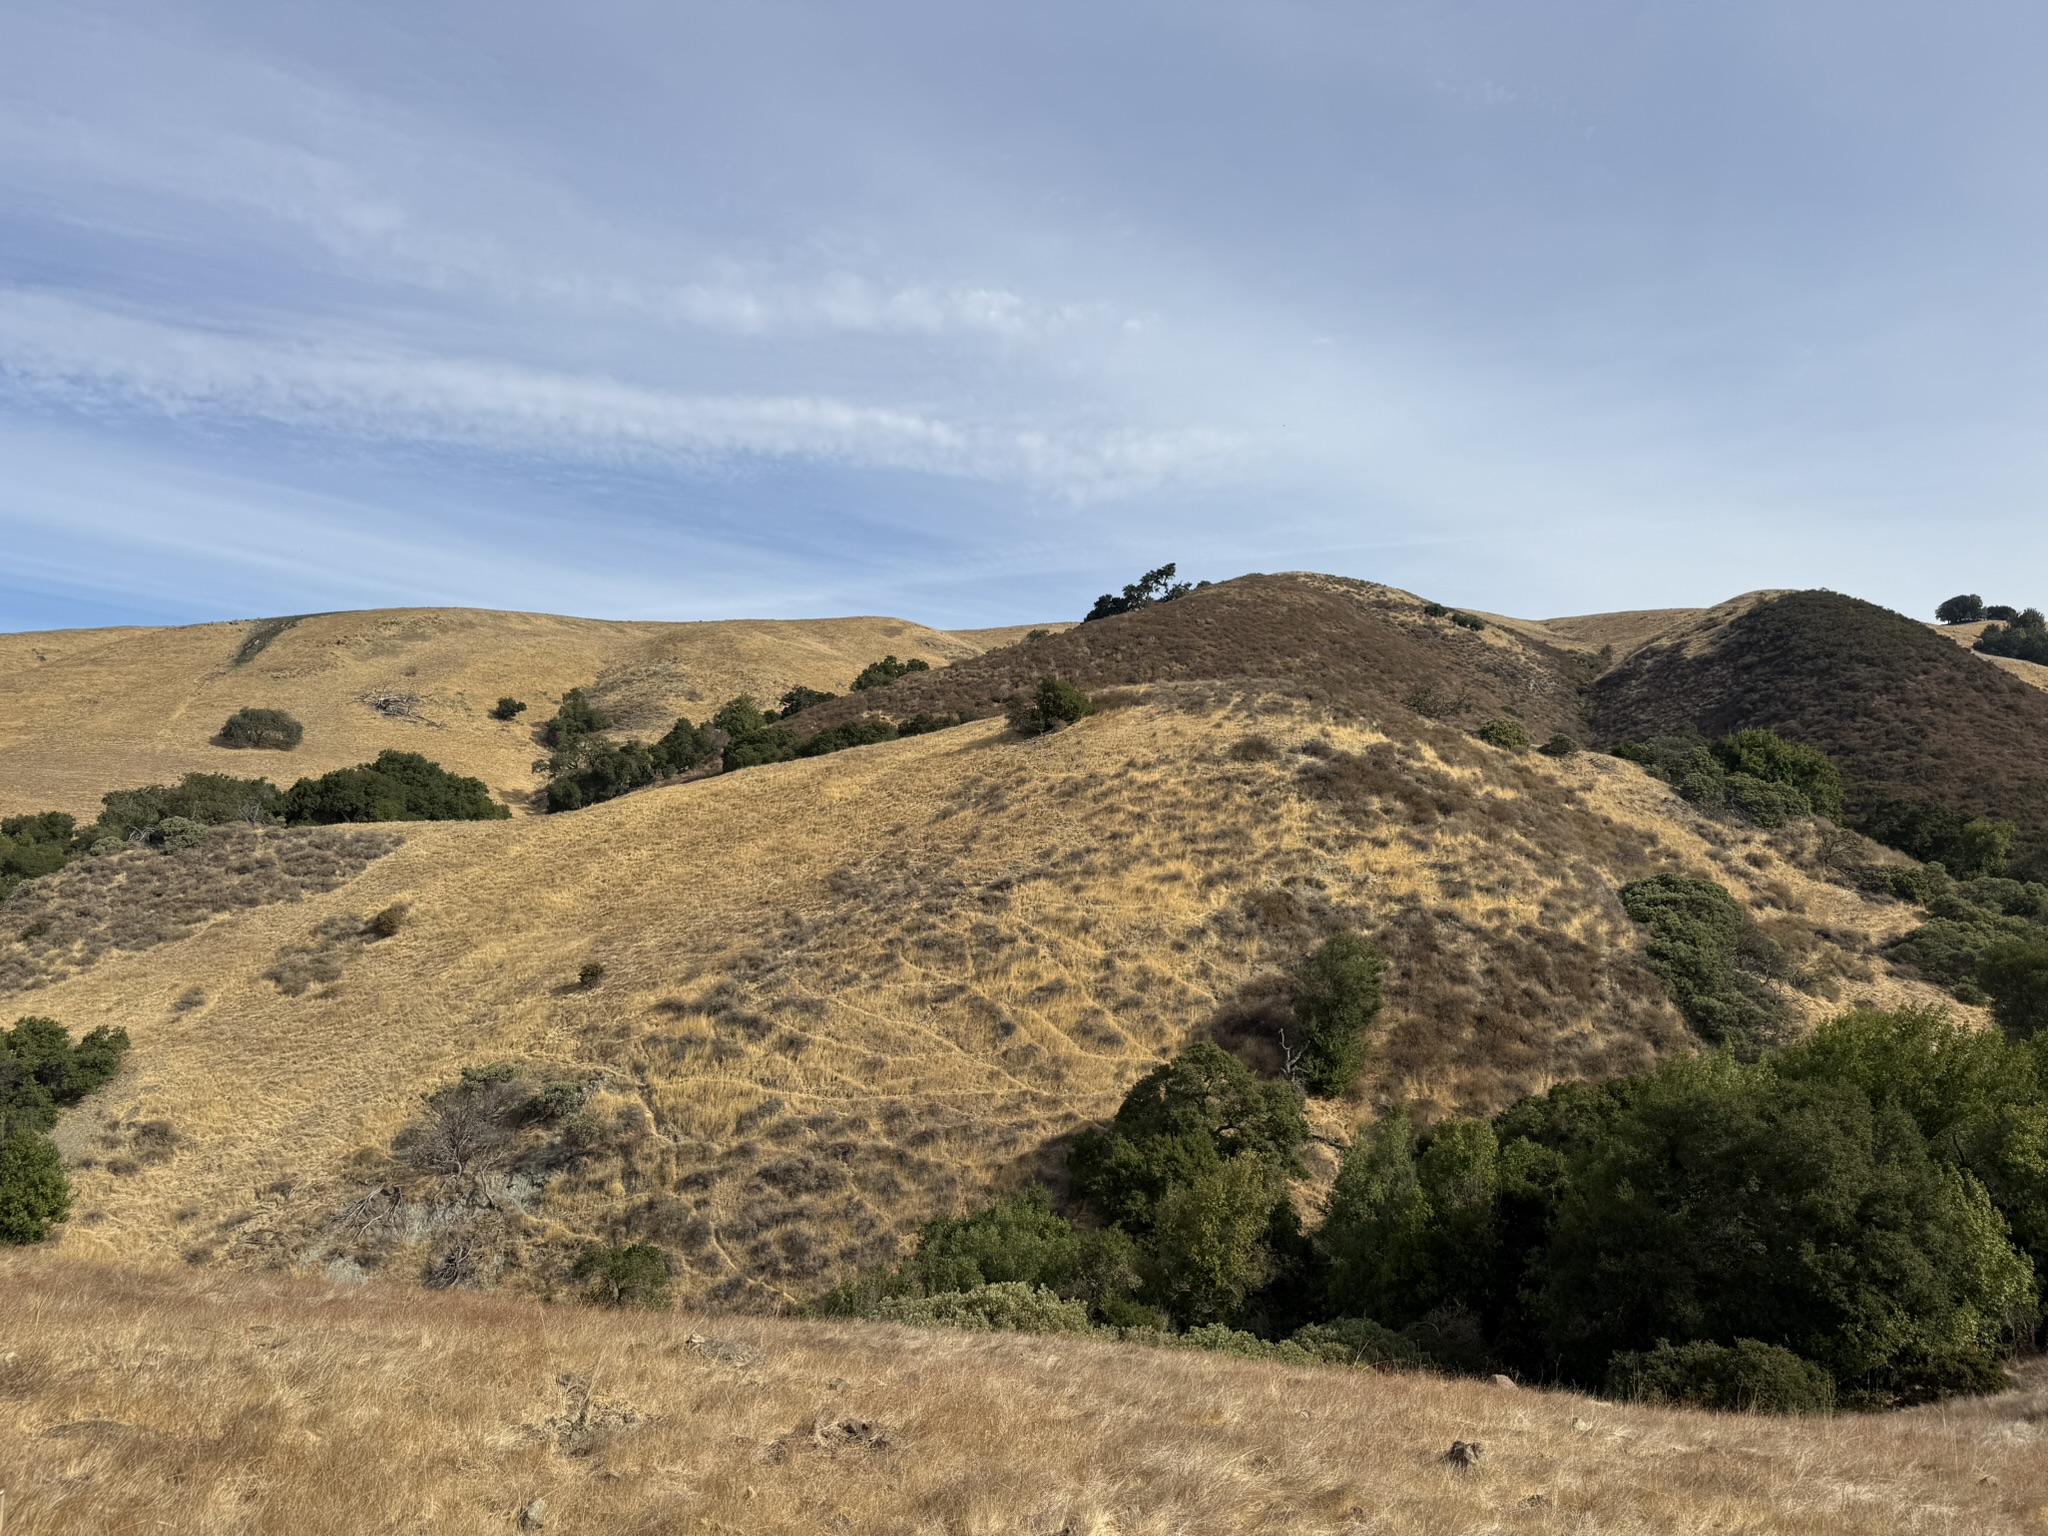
{"x": 969, "y": 312}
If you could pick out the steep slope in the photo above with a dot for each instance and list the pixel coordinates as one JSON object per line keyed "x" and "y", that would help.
{"x": 86, "y": 711}
{"x": 844, "y": 993}
{"x": 1361, "y": 649}
{"x": 1903, "y": 711}
{"x": 136, "y": 1402}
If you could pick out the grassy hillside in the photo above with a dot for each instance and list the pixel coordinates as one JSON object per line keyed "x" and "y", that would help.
{"x": 1903, "y": 711}
{"x": 86, "y": 711}
{"x": 845, "y": 993}
{"x": 137, "y": 1401}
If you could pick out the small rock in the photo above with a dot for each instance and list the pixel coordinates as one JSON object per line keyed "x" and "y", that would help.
{"x": 1507, "y": 1381}
{"x": 1464, "y": 1454}
{"x": 1581, "y": 1425}
{"x": 535, "y": 1516}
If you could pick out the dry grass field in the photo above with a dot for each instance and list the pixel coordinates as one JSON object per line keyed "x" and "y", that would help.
{"x": 843, "y": 994}
{"x": 86, "y": 711}
{"x": 134, "y": 1402}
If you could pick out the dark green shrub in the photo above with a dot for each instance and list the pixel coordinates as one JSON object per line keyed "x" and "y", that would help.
{"x": 37, "y": 845}
{"x": 1711, "y": 957}
{"x": 398, "y": 786}
{"x": 269, "y": 730}
{"x": 591, "y": 769}
{"x": 2025, "y": 637}
{"x": 1153, "y": 587}
{"x": 211, "y": 799}
{"x": 1966, "y": 609}
{"x": 801, "y": 698}
{"x": 386, "y": 923}
{"x": 34, "y": 1195}
{"x": 1435, "y": 611}
{"x": 1209, "y": 1248}
{"x": 1748, "y": 1378}
{"x": 1728, "y": 1202}
{"x": 1933, "y": 832}
{"x": 1468, "y": 621}
{"x": 1509, "y": 734}
{"x": 1559, "y": 745}
{"x": 684, "y": 747}
{"x": 1054, "y": 703}
{"x": 1764, "y": 803}
{"x": 853, "y": 733}
{"x": 575, "y": 717}
{"x": 1005, "y": 1306}
{"x": 558, "y": 1101}
{"x": 751, "y": 738}
{"x": 1176, "y": 1124}
{"x": 880, "y": 674}
{"x": 590, "y": 975}
{"x": 1357, "y": 1341}
{"x": 43, "y": 1054}
{"x": 625, "y": 1277}
{"x": 1766, "y": 756}
{"x": 2015, "y": 975}
{"x": 508, "y": 708}
{"x": 924, "y": 723}
{"x": 1038, "y": 634}
{"x": 1336, "y": 998}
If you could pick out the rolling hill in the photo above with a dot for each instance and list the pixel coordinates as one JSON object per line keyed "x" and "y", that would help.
{"x": 842, "y": 994}
{"x": 86, "y": 711}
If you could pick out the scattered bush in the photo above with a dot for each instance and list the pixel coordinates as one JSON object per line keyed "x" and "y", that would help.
{"x": 178, "y": 832}
{"x": 1560, "y": 745}
{"x": 1336, "y": 998}
{"x": 1747, "y": 1378}
{"x": 751, "y": 737}
{"x": 2025, "y": 637}
{"x": 508, "y": 708}
{"x": 398, "y": 786}
{"x": 211, "y": 799}
{"x": 1038, "y": 634}
{"x": 852, "y": 733}
{"x": 1934, "y": 832}
{"x": 386, "y": 923}
{"x": 1054, "y": 704}
{"x": 1966, "y": 609}
{"x": 1153, "y": 587}
{"x": 1005, "y": 1305}
{"x": 590, "y": 975}
{"x": 1509, "y": 734}
{"x": 1435, "y": 611}
{"x": 34, "y": 1194}
{"x": 1710, "y": 956}
{"x": 268, "y": 730}
{"x": 924, "y": 723}
{"x": 1468, "y": 621}
{"x": 587, "y": 770}
{"x": 576, "y": 716}
{"x": 880, "y": 674}
{"x": 37, "y": 845}
{"x": 41, "y": 1072}
{"x": 801, "y": 698}
{"x": 1755, "y": 773}
{"x": 625, "y": 1277}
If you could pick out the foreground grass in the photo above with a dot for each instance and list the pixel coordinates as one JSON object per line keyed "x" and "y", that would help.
{"x": 201, "y": 1401}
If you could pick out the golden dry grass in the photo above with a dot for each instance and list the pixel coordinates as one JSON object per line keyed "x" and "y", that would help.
{"x": 86, "y": 711}
{"x": 846, "y": 993}
{"x": 134, "y": 1402}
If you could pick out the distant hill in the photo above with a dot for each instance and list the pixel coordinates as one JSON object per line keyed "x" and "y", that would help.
{"x": 1905, "y": 712}
{"x": 86, "y": 711}
{"x": 1362, "y": 649}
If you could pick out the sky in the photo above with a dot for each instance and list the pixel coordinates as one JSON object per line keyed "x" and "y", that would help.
{"x": 966, "y": 313}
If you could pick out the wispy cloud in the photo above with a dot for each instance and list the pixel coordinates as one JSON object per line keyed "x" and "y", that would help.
{"x": 60, "y": 351}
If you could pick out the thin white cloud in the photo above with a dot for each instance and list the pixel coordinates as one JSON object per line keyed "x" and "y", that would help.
{"x": 88, "y": 358}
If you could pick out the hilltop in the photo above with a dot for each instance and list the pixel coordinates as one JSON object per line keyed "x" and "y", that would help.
{"x": 86, "y": 711}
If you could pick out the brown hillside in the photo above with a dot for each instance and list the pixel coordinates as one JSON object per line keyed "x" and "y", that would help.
{"x": 1905, "y": 712}
{"x": 137, "y": 1402}
{"x": 87, "y": 711}
{"x": 844, "y": 993}
{"x": 1366, "y": 651}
